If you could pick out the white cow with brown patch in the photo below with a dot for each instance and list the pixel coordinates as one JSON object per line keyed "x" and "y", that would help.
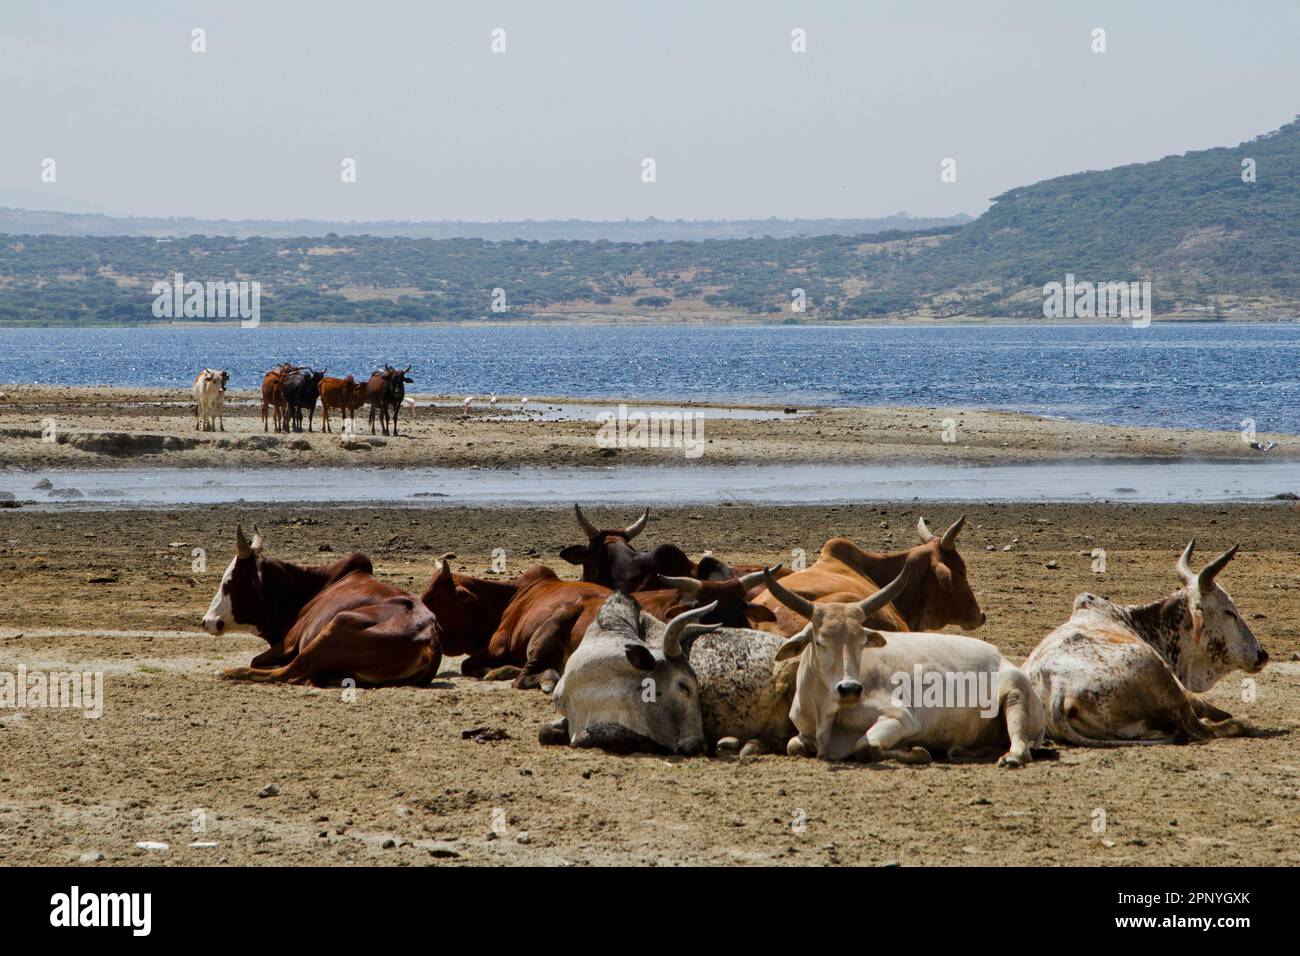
{"x": 1117, "y": 674}
{"x": 209, "y": 399}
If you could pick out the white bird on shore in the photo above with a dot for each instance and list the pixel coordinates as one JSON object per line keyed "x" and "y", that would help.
{"x": 468, "y": 401}
{"x": 410, "y": 404}
{"x": 493, "y": 399}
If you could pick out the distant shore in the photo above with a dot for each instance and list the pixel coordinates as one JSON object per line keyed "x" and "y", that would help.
{"x": 106, "y": 427}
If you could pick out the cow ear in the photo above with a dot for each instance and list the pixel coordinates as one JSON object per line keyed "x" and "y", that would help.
{"x": 758, "y": 614}
{"x": 943, "y": 573}
{"x": 673, "y": 611}
{"x": 874, "y": 638}
{"x": 465, "y": 596}
{"x": 639, "y": 656}
{"x": 795, "y": 645}
{"x": 575, "y": 554}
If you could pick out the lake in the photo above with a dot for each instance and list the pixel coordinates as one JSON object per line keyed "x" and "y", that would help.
{"x": 1202, "y": 375}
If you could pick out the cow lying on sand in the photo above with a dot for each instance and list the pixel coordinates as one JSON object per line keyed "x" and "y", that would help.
{"x": 637, "y": 684}
{"x": 323, "y": 624}
{"x": 937, "y": 593}
{"x": 869, "y": 694}
{"x": 1117, "y": 674}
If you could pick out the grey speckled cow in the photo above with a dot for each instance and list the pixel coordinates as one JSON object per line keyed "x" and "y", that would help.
{"x": 637, "y": 684}
{"x": 1117, "y": 674}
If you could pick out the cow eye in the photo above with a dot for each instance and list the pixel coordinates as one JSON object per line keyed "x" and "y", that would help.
{"x": 684, "y": 688}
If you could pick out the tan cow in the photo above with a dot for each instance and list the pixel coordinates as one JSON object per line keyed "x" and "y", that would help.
{"x": 1117, "y": 674}
{"x": 209, "y": 399}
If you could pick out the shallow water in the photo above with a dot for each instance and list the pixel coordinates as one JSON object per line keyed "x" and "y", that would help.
{"x": 682, "y": 484}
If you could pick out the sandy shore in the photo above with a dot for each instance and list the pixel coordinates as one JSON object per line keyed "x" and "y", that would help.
{"x": 116, "y": 427}
{"x": 392, "y": 766}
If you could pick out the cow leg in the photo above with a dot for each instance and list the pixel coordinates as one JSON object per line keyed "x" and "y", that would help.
{"x": 396, "y": 410}
{"x": 547, "y": 651}
{"x": 1022, "y": 728}
{"x": 372, "y": 419}
{"x": 801, "y": 745}
{"x": 879, "y": 740}
{"x": 504, "y": 672}
{"x": 556, "y": 732}
{"x": 755, "y": 747}
{"x": 325, "y": 418}
{"x": 1206, "y": 710}
{"x": 727, "y": 746}
{"x": 275, "y": 654}
{"x": 476, "y": 665}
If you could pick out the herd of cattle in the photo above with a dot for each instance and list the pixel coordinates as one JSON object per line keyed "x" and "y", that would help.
{"x": 654, "y": 652}
{"x": 290, "y": 390}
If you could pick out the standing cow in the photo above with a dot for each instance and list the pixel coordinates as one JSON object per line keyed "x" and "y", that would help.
{"x": 300, "y": 389}
{"x": 210, "y": 399}
{"x": 1117, "y": 674}
{"x": 273, "y": 397}
{"x": 344, "y": 394}
{"x": 385, "y": 392}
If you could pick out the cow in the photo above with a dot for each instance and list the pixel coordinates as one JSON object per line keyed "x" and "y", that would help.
{"x": 937, "y": 593}
{"x": 272, "y": 397}
{"x": 385, "y": 392}
{"x": 345, "y": 394}
{"x": 527, "y": 628}
{"x": 1121, "y": 674}
{"x": 609, "y": 559}
{"x": 323, "y": 624}
{"x": 300, "y": 389}
{"x": 636, "y": 684}
{"x": 870, "y": 694}
{"x": 210, "y": 399}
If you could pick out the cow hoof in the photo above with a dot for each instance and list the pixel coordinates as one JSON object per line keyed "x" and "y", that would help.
{"x": 753, "y": 748}
{"x": 799, "y": 747}
{"x": 547, "y": 685}
{"x": 864, "y": 752}
{"x": 916, "y": 757}
{"x": 728, "y": 746}
{"x": 554, "y": 733}
{"x": 1010, "y": 761}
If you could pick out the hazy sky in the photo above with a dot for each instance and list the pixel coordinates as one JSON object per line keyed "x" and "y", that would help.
{"x": 557, "y": 127}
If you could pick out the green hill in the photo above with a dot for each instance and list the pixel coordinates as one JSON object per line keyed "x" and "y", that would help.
{"x": 1210, "y": 244}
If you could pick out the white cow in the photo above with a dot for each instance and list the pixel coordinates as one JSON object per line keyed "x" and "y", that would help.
{"x": 870, "y": 693}
{"x": 1117, "y": 674}
{"x": 209, "y": 399}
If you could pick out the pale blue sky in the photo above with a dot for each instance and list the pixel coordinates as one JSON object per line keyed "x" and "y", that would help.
{"x": 739, "y": 126}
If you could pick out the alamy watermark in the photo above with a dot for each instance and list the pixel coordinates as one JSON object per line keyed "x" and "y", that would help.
{"x": 1095, "y": 300}
{"x": 631, "y": 428}
{"x": 959, "y": 689}
{"x": 79, "y": 690}
{"x": 208, "y": 300}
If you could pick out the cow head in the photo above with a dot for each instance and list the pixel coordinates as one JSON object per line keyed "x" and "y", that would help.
{"x": 595, "y": 555}
{"x": 831, "y": 645}
{"x": 1220, "y": 640}
{"x": 943, "y": 586}
{"x": 225, "y": 378}
{"x": 731, "y": 595}
{"x": 620, "y": 693}
{"x": 463, "y": 627}
{"x": 237, "y": 605}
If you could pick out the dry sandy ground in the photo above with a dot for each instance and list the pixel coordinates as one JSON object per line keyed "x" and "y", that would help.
{"x": 140, "y": 427}
{"x": 389, "y": 779}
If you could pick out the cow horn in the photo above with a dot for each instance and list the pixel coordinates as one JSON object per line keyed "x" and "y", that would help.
{"x": 754, "y": 578}
{"x": 637, "y": 526}
{"x": 592, "y": 531}
{"x": 924, "y": 531}
{"x": 685, "y": 585}
{"x": 257, "y": 539}
{"x": 949, "y": 540}
{"x": 886, "y": 594}
{"x": 800, "y": 605}
{"x": 1205, "y": 580}
{"x": 1184, "y": 566}
{"x": 242, "y": 548}
{"x": 675, "y": 644}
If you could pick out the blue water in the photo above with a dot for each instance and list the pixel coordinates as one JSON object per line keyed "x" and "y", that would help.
{"x": 1179, "y": 375}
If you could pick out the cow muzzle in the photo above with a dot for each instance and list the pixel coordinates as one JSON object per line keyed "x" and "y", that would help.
{"x": 213, "y": 625}
{"x": 1261, "y": 660}
{"x": 848, "y": 692}
{"x": 691, "y": 747}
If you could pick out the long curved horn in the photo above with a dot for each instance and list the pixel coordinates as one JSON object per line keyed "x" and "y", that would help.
{"x": 800, "y": 605}
{"x": 754, "y": 578}
{"x": 1205, "y": 580}
{"x": 685, "y": 585}
{"x": 678, "y": 629}
{"x": 923, "y": 530}
{"x": 637, "y": 526}
{"x": 592, "y": 531}
{"x": 886, "y": 594}
{"x": 242, "y": 548}
{"x": 949, "y": 540}
{"x": 1184, "y": 566}
{"x": 257, "y": 539}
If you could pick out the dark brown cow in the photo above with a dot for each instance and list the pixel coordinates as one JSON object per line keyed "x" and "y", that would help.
{"x": 345, "y": 394}
{"x": 323, "y": 624}
{"x": 526, "y": 629}
{"x": 385, "y": 392}
{"x": 273, "y": 397}
{"x": 937, "y": 592}
{"x": 609, "y": 559}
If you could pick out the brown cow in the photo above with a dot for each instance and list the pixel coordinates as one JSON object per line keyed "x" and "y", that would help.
{"x": 323, "y": 624}
{"x": 345, "y": 394}
{"x": 386, "y": 393}
{"x": 273, "y": 398}
{"x": 526, "y": 629}
{"x": 608, "y": 558}
{"x": 937, "y": 592}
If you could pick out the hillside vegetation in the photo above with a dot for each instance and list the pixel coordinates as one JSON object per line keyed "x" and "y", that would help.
{"x": 1209, "y": 243}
